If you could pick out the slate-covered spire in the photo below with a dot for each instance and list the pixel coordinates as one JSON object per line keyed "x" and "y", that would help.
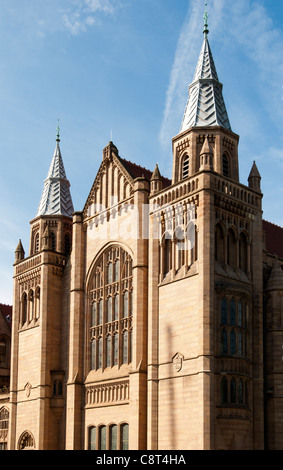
{"x": 205, "y": 105}
{"x": 56, "y": 197}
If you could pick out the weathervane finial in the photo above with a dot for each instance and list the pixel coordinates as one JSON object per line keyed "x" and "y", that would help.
{"x": 58, "y": 132}
{"x": 205, "y": 26}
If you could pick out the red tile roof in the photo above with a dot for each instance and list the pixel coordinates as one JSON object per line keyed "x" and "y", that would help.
{"x": 136, "y": 171}
{"x": 273, "y": 238}
{"x": 6, "y": 311}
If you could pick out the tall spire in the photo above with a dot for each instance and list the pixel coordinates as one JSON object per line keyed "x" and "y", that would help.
{"x": 205, "y": 105}
{"x": 56, "y": 197}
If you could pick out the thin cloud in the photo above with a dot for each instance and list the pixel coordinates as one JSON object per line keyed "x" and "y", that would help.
{"x": 85, "y": 14}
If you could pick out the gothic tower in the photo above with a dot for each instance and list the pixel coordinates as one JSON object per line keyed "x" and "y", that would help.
{"x": 37, "y": 363}
{"x": 205, "y": 359}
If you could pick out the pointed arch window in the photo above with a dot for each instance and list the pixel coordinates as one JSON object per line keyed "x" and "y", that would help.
{"x": 111, "y": 312}
{"x": 186, "y": 167}
{"x": 36, "y": 243}
{"x": 4, "y": 428}
{"x": 225, "y": 165}
{"x": 53, "y": 241}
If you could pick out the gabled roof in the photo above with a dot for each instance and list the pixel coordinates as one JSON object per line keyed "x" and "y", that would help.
{"x": 136, "y": 171}
{"x": 56, "y": 197}
{"x": 273, "y": 238}
{"x": 205, "y": 105}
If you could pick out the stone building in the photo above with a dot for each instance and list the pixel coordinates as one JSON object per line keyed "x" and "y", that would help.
{"x": 153, "y": 318}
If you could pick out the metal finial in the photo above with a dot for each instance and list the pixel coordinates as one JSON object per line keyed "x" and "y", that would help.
{"x": 58, "y": 132}
{"x": 205, "y": 25}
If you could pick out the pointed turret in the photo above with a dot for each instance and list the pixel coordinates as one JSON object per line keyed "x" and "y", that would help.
{"x": 19, "y": 252}
{"x": 155, "y": 181}
{"x": 56, "y": 197}
{"x": 254, "y": 178}
{"x": 206, "y": 155}
{"x": 205, "y": 106}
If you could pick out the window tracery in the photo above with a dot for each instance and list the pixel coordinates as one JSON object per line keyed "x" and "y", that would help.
{"x": 111, "y": 310}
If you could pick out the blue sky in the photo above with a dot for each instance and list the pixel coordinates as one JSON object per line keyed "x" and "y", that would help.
{"x": 121, "y": 69}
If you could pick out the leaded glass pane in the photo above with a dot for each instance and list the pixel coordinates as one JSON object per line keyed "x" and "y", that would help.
{"x": 109, "y": 273}
{"x": 109, "y": 309}
{"x": 125, "y": 347}
{"x": 233, "y": 391}
{"x": 126, "y": 303}
{"x": 93, "y": 355}
{"x": 240, "y": 314}
{"x": 116, "y": 307}
{"x": 224, "y": 312}
{"x": 108, "y": 351}
{"x": 116, "y": 270}
{"x": 233, "y": 312}
{"x": 100, "y": 312}
{"x": 92, "y": 438}
{"x": 232, "y": 342}
{"x": 100, "y": 353}
{"x": 113, "y": 437}
{"x": 224, "y": 348}
{"x": 93, "y": 314}
{"x": 125, "y": 437}
{"x": 102, "y": 437}
{"x": 115, "y": 359}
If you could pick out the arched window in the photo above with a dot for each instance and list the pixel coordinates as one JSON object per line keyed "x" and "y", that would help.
{"x": 92, "y": 438}
{"x": 37, "y": 303}
{"x": 225, "y": 166}
{"x": 219, "y": 244}
{"x": 233, "y": 391}
{"x": 53, "y": 241}
{"x": 26, "y": 441}
{"x": 102, "y": 438}
{"x": 231, "y": 248}
{"x": 4, "y": 428}
{"x": 224, "y": 391}
{"x": 167, "y": 255}
{"x": 36, "y": 243}
{"x": 243, "y": 252}
{"x": 67, "y": 244}
{"x": 113, "y": 437}
{"x": 30, "y": 306}
{"x": 24, "y": 309}
{"x": 3, "y": 352}
{"x": 111, "y": 314}
{"x": 186, "y": 167}
{"x": 124, "y": 445}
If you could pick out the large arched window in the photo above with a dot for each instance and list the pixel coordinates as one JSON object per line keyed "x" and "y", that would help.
{"x": 111, "y": 310}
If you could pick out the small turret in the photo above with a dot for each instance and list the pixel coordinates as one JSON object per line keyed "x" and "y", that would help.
{"x": 19, "y": 252}
{"x": 155, "y": 181}
{"x": 206, "y": 155}
{"x": 254, "y": 178}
